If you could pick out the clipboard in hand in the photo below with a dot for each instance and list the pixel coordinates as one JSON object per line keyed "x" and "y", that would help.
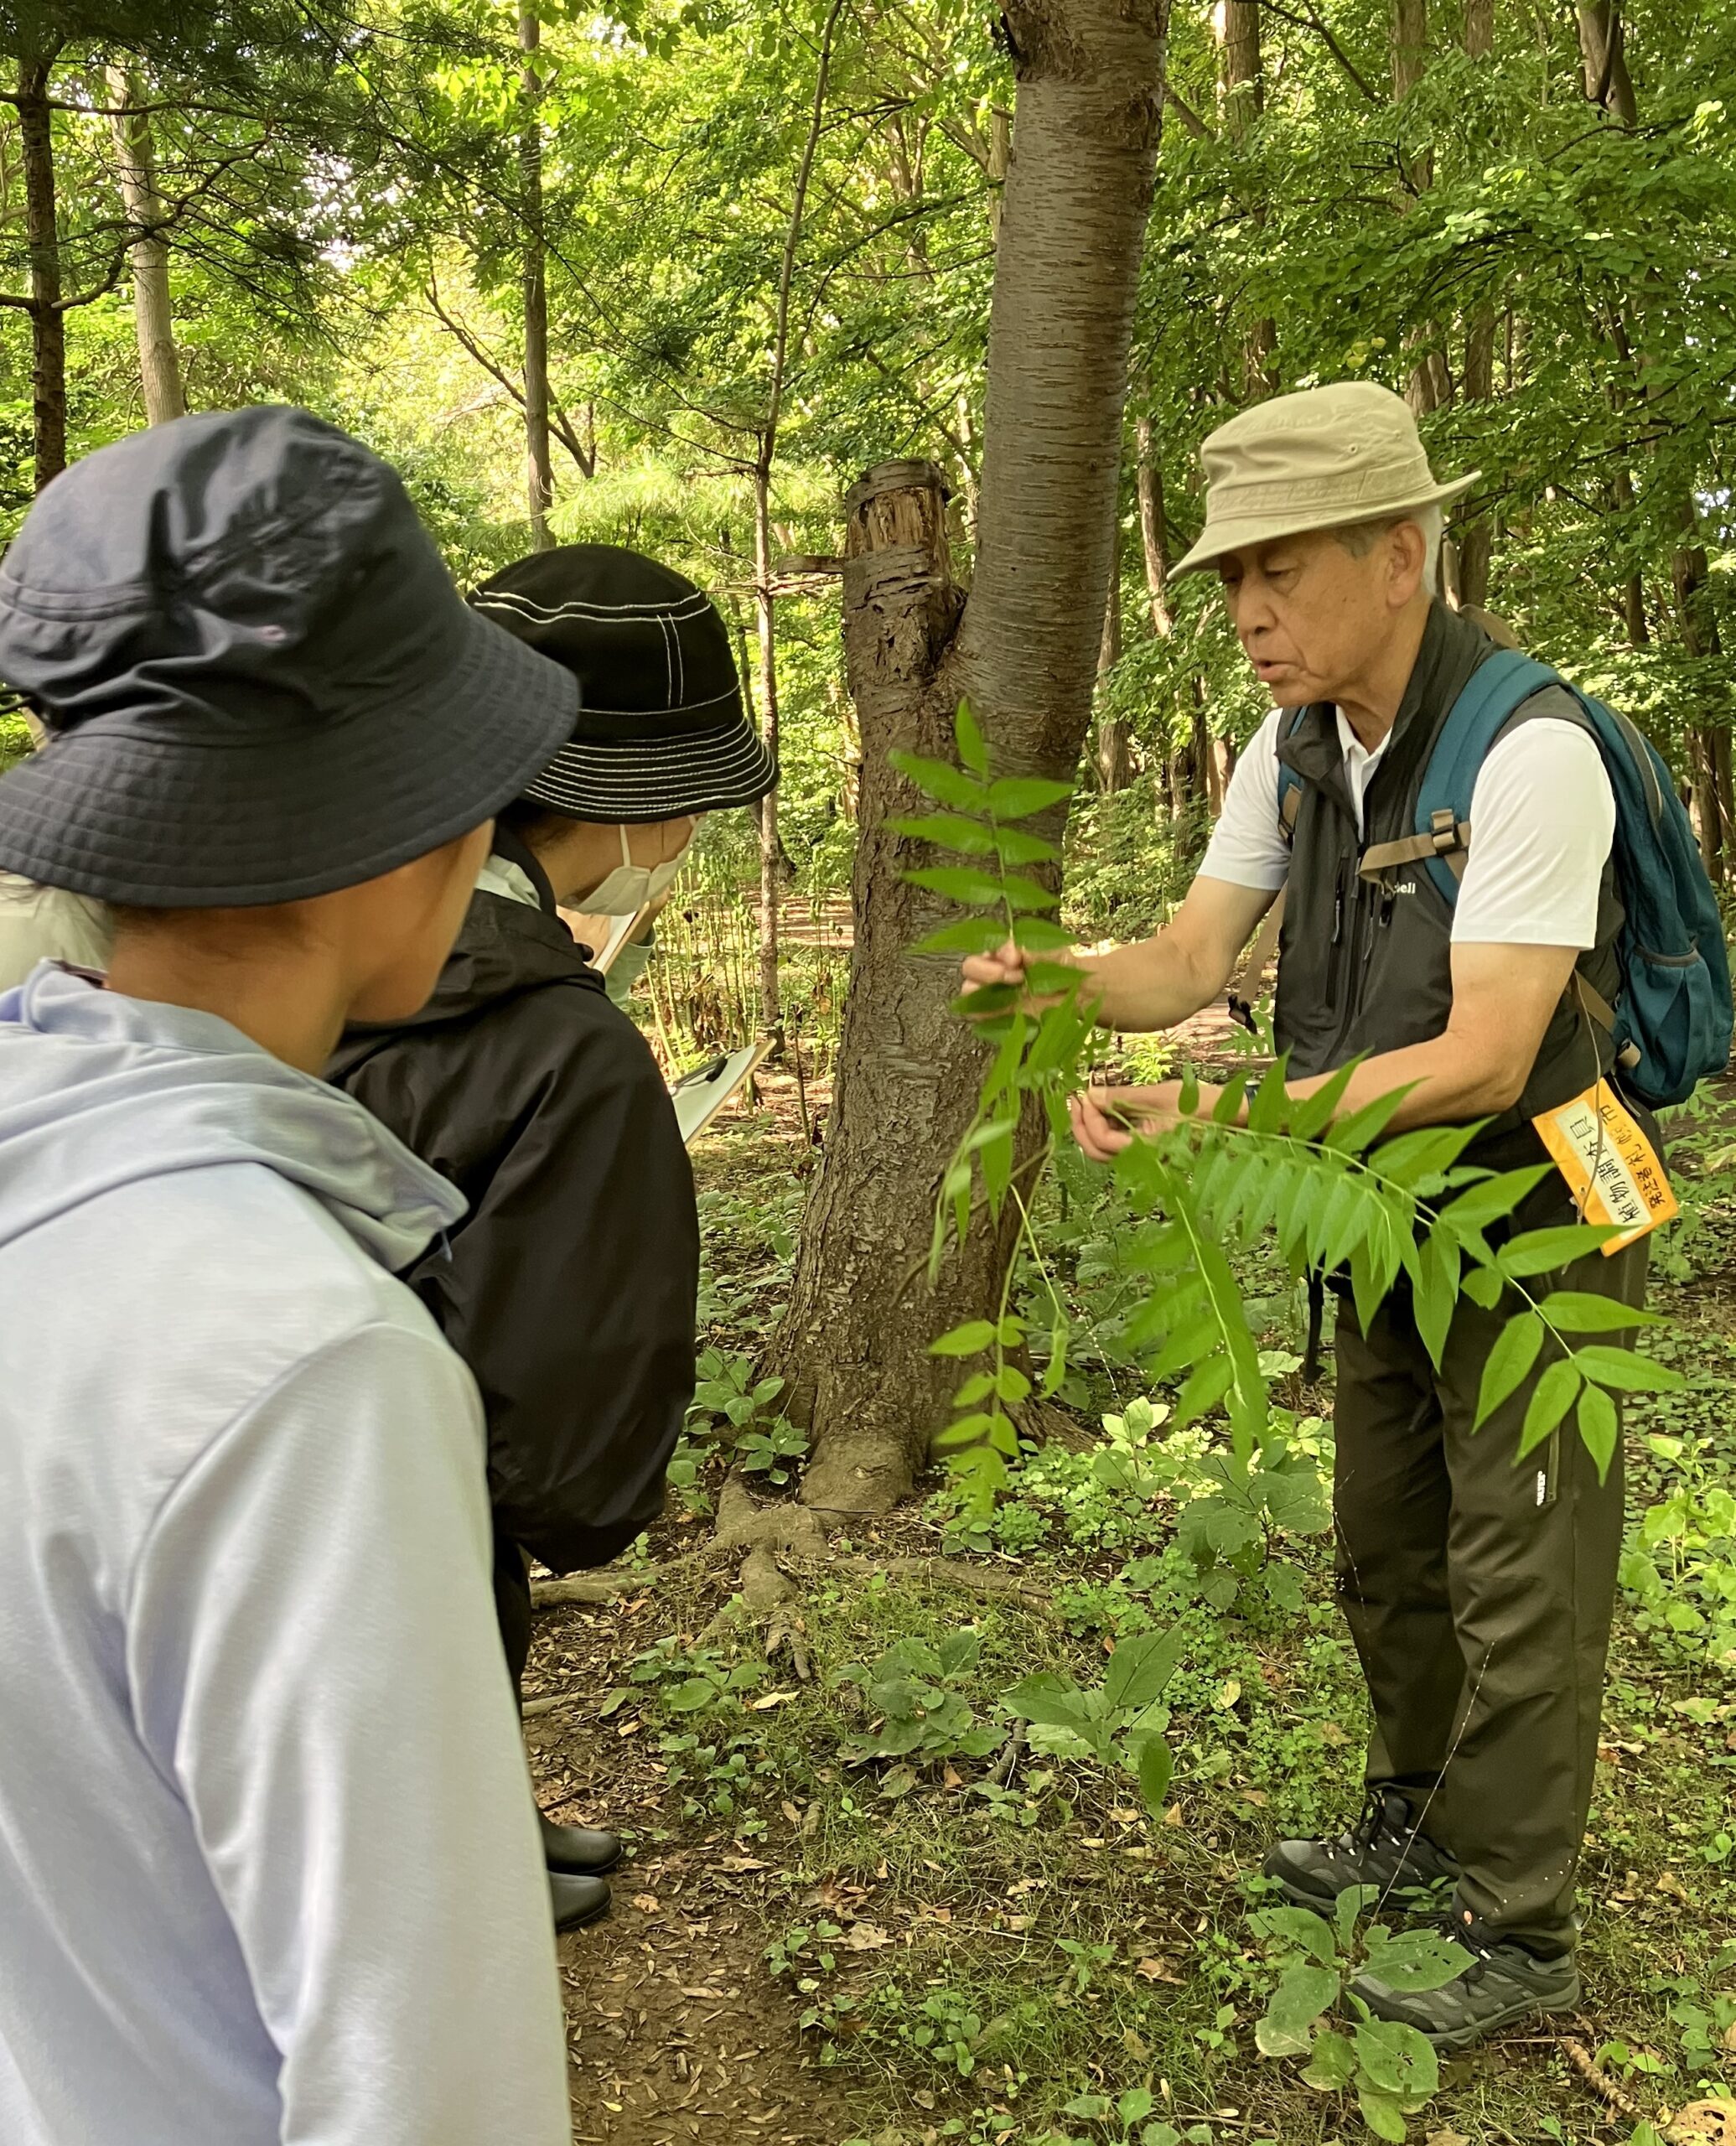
{"x": 620, "y": 929}
{"x": 700, "y": 1095}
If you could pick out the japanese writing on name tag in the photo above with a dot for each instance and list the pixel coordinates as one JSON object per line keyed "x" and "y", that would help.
{"x": 1610, "y": 1166}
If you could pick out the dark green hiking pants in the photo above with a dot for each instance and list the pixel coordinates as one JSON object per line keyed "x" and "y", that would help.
{"x": 1478, "y": 1595}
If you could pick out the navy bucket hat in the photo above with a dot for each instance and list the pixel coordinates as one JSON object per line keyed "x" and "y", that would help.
{"x": 259, "y": 681}
{"x": 661, "y": 731}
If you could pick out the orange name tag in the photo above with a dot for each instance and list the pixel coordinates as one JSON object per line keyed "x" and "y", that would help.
{"x": 1615, "y": 1177}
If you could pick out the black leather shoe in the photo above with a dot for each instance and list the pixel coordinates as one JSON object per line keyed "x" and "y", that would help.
{"x": 577, "y": 1900}
{"x": 580, "y": 1851}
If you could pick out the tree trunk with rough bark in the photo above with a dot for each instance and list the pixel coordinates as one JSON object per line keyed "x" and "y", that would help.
{"x": 771, "y": 1010}
{"x": 853, "y": 1345}
{"x": 159, "y": 364}
{"x": 48, "y": 321}
{"x": 539, "y": 471}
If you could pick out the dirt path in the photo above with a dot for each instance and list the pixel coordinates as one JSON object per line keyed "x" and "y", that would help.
{"x": 675, "y": 2031}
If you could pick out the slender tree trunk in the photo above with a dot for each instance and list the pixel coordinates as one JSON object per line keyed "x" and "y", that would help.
{"x": 1476, "y": 537}
{"x": 1429, "y": 387}
{"x": 159, "y": 364}
{"x": 1607, "y": 83}
{"x": 1603, "y": 59}
{"x": 1000, "y": 155}
{"x": 539, "y": 474}
{"x": 771, "y": 1011}
{"x": 48, "y": 322}
{"x": 1244, "y": 101}
{"x": 853, "y": 1344}
{"x": 1115, "y": 740}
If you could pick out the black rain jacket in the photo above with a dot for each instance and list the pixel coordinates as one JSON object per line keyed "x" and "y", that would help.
{"x": 569, "y": 1288}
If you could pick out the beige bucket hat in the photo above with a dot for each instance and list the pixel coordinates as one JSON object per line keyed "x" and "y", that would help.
{"x": 1318, "y": 459}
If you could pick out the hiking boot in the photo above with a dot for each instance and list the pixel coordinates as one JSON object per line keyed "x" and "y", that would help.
{"x": 1384, "y": 1847}
{"x": 1504, "y": 1984}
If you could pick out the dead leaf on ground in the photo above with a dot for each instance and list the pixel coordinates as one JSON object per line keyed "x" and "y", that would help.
{"x": 1157, "y": 1971}
{"x": 1704, "y": 2123}
{"x": 866, "y": 1937}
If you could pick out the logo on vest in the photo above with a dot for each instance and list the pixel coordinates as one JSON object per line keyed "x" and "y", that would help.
{"x": 1406, "y": 887}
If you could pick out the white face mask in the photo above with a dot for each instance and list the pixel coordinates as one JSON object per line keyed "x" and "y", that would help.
{"x": 630, "y": 886}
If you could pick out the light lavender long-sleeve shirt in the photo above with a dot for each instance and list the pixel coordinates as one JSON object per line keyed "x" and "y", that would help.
{"x": 269, "y": 1871}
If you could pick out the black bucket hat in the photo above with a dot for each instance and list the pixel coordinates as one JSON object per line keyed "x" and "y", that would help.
{"x": 259, "y": 681}
{"x": 661, "y": 731}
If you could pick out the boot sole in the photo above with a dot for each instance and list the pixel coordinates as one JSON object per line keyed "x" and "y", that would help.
{"x": 1468, "y": 2037}
{"x": 1451, "y": 2041}
{"x": 588, "y": 1870}
{"x": 582, "y": 1920}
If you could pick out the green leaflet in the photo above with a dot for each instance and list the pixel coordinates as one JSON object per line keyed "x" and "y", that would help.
{"x": 1515, "y": 1349}
{"x": 1310, "y": 1115}
{"x": 1624, "y": 1370}
{"x": 970, "y": 935}
{"x": 1549, "y": 1403}
{"x": 1536, "y": 1252}
{"x": 948, "y": 831}
{"x": 1491, "y": 1198}
{"x": 1579, "y": 1311}
{"x": 1364, "y": 1126}
{"x": 965, "y": 1341}
{"x": 1599, "y": 1428}
{"x": 943, "y": 782}
{"x": 960, "y": 883}
{"x": 1016, "y": 796}
{"x": 972, "y": 749}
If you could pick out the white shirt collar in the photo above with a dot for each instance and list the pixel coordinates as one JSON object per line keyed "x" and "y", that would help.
{"x": 501, "y": 876}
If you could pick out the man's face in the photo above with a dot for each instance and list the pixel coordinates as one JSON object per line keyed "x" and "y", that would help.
{"x": 1310, "y": 615}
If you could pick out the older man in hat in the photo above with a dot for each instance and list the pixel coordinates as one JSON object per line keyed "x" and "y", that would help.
{"x": 1479, "y": 1594}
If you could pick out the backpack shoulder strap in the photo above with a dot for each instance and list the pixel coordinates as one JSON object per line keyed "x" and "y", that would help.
{"x": 1289, "y": 783}
{"x": 1500, "y": 685}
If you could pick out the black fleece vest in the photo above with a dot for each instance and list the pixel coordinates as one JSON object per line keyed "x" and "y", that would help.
{"x": 1365, "y": 965}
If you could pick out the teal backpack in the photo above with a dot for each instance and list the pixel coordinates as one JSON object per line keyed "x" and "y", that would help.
{"x": 1673, "y": 1016}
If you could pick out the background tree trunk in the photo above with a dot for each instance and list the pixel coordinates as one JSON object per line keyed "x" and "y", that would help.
{"x": 1243, "y": 100}
{"x": 1602, "y": 56}
{"x": 48, "y": 322}
{"x": 854, "y": 1343}
{"x": 1476, "y": 536}
{"x": 159, "y": 364}
{"x": 539, "y": 474}
{"x": 771, "y": 1010}
{"x": 1604, "y": 65}
{"x": 1115, "y": 740}
{"x": 1429, "y": 387}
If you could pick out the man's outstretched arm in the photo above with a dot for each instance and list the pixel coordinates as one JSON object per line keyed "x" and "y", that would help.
{"x": 1156, "y": 982}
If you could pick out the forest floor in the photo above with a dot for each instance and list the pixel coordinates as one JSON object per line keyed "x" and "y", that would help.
{"x": 977, "y": 1941}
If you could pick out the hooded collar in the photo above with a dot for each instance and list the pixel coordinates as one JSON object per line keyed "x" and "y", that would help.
{"x": 98, "y": 1090}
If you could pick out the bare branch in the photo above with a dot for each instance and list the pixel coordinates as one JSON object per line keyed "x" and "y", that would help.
{"x": 1311, "y": 21}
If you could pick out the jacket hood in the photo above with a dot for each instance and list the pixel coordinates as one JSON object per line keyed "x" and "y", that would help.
{"x": 97, "y": 1090}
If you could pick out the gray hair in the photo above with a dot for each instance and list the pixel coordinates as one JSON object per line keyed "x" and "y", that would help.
{"x": 1358, "y": 538}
